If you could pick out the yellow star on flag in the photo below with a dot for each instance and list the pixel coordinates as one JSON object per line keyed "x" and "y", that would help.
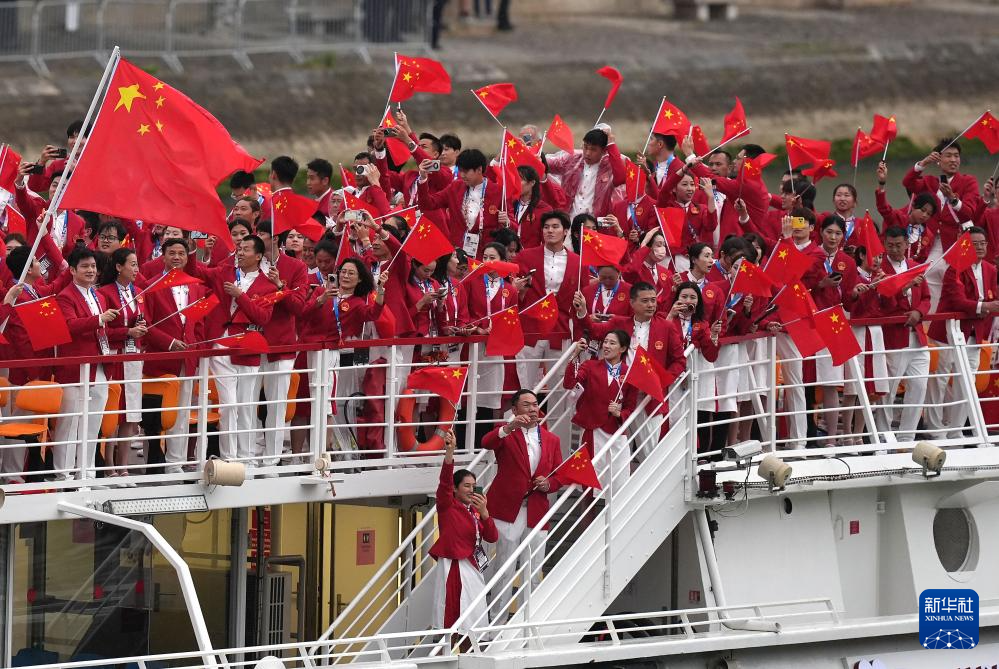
{"x": 783, "y": 254}
{"x": 668, "y": 113}
{"x": 159, "y": 126}
{"x": 407, "y": 77}
{"x": 483, "y": 94}
{"x": 143, "y": 129}
{"x": 587, "y": 237}
{"x": 127, "y": 95}
{"x": 456, "y": 373}
{"x": 158, "y": 86}
{"x": 159, "y": 101}
{"x": 545, "y": 304}
{"x": 512, "y": 143}
{"x": 834, "y": 318}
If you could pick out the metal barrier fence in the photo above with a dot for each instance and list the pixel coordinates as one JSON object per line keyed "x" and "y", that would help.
{"x": 38, "y": 31}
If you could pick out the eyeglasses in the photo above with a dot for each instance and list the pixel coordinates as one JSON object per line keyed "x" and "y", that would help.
{"x": 109, "y": 238}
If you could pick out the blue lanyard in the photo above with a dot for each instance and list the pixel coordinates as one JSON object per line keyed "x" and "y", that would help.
{"x": 828, "y": 263}
{"x": 851, "y": 223}
{"x": 610, "y": 301}
{"x": 614, "y": 370}
{"x": 125, "y": 300}
{"x": 239, "y": 275}
{"x": 336, "y": 315}
{"x": 516, "y": 208}
{"x": 690, "y": 329}
{"x": 734, "y": 298}
{"x": 31, "y": 291}
{"x": 719, "y": 267}
{"x": 93, "y": 294}
{"x": 631, "y": 215}
{"x": 489, "y": 300}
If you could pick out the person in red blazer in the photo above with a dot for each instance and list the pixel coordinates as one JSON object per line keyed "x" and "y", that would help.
{"x": 87, "y": 316}
{"x": 66, "y": 227}
{"x": 913, "y": 219}
{"x": 240, "y": 309}
{"x": 463, "y": 523}
{"x": 603, "y": 402}
{"x": 526, "y": 209}
{"x": 700, "y": 220}
{"x": 609, "y": 296}
{"x": 472, "y": 202}
{"x": 526, "y": 455}
{"x": 176, "y": 333}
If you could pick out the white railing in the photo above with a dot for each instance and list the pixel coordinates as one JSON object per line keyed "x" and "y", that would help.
{"x": 38, "y": 31}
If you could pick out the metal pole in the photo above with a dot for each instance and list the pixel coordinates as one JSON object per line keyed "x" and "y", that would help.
{"x": 472, "y": 404}
{"x": 202, "y": 452}
{"x": 81, "y": 449}
{"x": 391, "y": 386}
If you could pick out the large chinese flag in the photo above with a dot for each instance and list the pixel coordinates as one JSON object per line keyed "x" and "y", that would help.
{"x": 542, "y": 316}
{"x": 884, "y": 129}
{"x": 293, "y": 211}
{"x": 172, "y": 279}
{"x": 426, "y": 242}
{"x": 735, "y": 121}
{"x": 834, "y": 328}
{"x": 44, "y": 322}
{"x": 894, "y": 284}
{"x": 864, "y": 146}
{"x": 200, "y": 308}
{"x": 647, "y": 375}
{"x": 518, "y": 154}
{"x": 506, "y": 336}
{"x": 445, "y": 381}
{"x": 961, "y": 255}
{"x": 801, "y": 150}
{"x": 418, "y": 75}
{"x": 10, "y": 160}
{"x": 752, "y": 168}
{"x": 787, "y": 264}
{"x": 671, "y": 121}
{"x": 578, "y": 469}
{"x": 794, "y": 301}
{"x": 671, "y": 221}
{"x": 157, "y": 156}
{"x": 599, "y": 249}
{"x": 986, "y": 128}
{"x": 495, "y": 97}
{"x": 560, "y": 134}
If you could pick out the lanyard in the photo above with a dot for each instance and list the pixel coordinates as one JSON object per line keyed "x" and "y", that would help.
{"x": 453, "y": 294}
{"x": 689, "y": 329}
{"x": 631, "y": 215}
{"x": 125, "y": 296}
{"x": 239, "y": 275}
{"x": 718, "y": 266}
{"x": 156, "y": 248}
{"x": 610, "y": 300}
{"x": 828, "y": 263}
{"x": 31, "y": 291}
{"x": 336, "y": 315}
{"x": 482, "y": 206}
{"x": 489, "y": 300}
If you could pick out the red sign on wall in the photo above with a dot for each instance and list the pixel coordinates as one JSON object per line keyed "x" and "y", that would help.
{"x": 365, "y": 547}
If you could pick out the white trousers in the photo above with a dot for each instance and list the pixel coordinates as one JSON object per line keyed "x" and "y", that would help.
{"x": 276, "y": 388}
{"x": 13, "y": 452}
{"x": 645, "y": 431}
{"x": 70, "y": 428}
{"x": 794, "y": 392}
{"x": 530, "y": 372}
{"x": 951, "y": 418}
{"x": 511, "y": 536}
{"x": 614, "y": 464}
{"x": 913, "y": 363}
{"x": 472, "y": 583}
{"x": 177, "y": 437}
{"x": 236, "y": 423}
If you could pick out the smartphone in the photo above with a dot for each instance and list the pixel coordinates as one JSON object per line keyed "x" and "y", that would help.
{"x": 603, "y": 222}
{"x": 61, "y": 153}
{"x": 435, "y": 166}
{"x": 331, "y": 280}
{"x": 798, "y": 222}
{"x": 835, "y": 275}
{"x": 477, "y": 490}
{"x": 352, "y": 217}
{"x": 943, "y": 178}
{"x": 37, "y": 168}
{"x": 198, "y": 235}
{"x": 602, "y": 317}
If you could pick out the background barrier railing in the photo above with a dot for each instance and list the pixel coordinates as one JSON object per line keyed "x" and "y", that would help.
{"x": 37, "y": 31}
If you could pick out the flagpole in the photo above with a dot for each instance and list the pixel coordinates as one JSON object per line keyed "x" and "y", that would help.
{"x": 648, "y": 139}
{"x": 144, "y": 290}
{"x": 856, "y": 160}
{"x": 741, "y": 133}
{"x": 602, "y": 112}
{"x": 71, "y": 160}
{"x": 883, "y": 157}
{"x": 388, "y": 101}
{"x": 502, "y": 165}
{"x": 961, "y": 134}
{"x": 472, "y": 91}
{"x": 394, "y": 213}
{"x": 994, "y": 173}
{"x": 519, "y": 311}
{"x": 200, "y": 299}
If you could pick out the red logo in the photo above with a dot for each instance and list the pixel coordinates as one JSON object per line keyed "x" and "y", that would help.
{"x": 659, "y": 346}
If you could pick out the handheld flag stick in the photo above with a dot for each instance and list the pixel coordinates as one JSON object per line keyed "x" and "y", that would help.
{"x": 166, "y": 318}
{"x": 472, "y": 91}
{"x": 961, "y": 134}
{"x": 649, "y": 138}
{"x": 856, "y": 160}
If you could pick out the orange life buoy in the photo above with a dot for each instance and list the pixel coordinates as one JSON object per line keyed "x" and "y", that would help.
{"x": 406, "y": 434}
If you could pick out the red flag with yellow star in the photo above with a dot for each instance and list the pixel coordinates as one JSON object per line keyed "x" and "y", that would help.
{"x": 542, "y": 316}
{"x": 448, "y": 382}
{"x": 752, "y": 168}
{"x": 398, "y": 147}
{"x": 701, "y": 145}
{"x": 961, "y": 255}
{"x": 801, "y": 150}
{"x": 986, "y": 129}
{"x": 578, "y": 468}
{"x": 560, "y": 135}
{"x": 292, "y": 211}
{"x": 836, "y": 333}
{"x": 635, "y": 180}
{"x": 353, "y": 203}
{"x": 418, "y": 75}
{"x": 864, "y": 146}
{"x": 200, "y": 308}
{"x": 495, "y": 97}
{"x": 804, "y": 335}
{"x": 501, "y": 267}
{"x": 44, "y": 322}
{"x": 15, "y": 222}
{"x": 506, "y": 336}
{"x": 172, "y": 279}
{"x": 250, "y": 341}
{"x": 795, "y": 301}
{"x": 426, "y": 242}
{"x": 347, "y": 178}
{"x": 787, "y": 264}
{"x": 735, "y": 121}
{"x": 519, "y": 155}
{"x": 647, "y": 375}
{"x": 865, "y": 233}
{"x": 10, "y": 160}
{"x": 671, "y": 220}
{"x": 752, "y": 280}
{"x": 894, "y": 284}
{"x": 821, "y": 170}
{"x": 671, "y": 121}
{"x": 599, "y": 249}
{"x": 155, "y": 155}
{"x": 884, "y": 129}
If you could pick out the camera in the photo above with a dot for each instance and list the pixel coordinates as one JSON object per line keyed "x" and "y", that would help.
{"x": 60, "y": 153}
{"x": 359, "y": 170}
{"x": 435, "y": 166}
{"x": 37, "y": 168}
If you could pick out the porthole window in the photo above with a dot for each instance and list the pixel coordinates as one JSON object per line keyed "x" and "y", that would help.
{"x": 956, "y": 540}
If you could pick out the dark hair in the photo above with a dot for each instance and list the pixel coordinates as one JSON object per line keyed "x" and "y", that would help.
{"x": 238, "y": 221}
{"x": 507, "y": 236}
{"x": 264, "y": 226}
{"x": 15, "y": 237}
{"x": 731, "y": 245}
{"x": 252, "y": 201}
{"x": 895, "y": 231}
{"x": 471, "y": 159}
{"x": 623, "y": 338}
{"x": 327, "y": 245}
{"x": 699, "y": 309}
{"x": 322, "y": 168}
{"x": 752, "y": 237}
{"x": 849, "y": 187}
{"x": 450, "y": 141}
{"x": 576, "y": 229}
{"x": 258, "y": 244}
{"x": 668, "y": 140}
{"x": 924, "y": 199}
{"x": 834, "y": 219}
{"x": 78, "y": 254}
{"x": 17, "y": 259}
{"x": 440, "y": 271}
{"x": 498, "y": 247}
{"x": 110, "y": 273}
{"x": 947, "y": 143}
{"x": 976, "y": 230}
{"x": 284, "y": 168}
{"x": 365, "y": 282}
{"x": 752, "y": 151}
{"x": 563, "y": 218}
{"x": 528, "y": 173}
{"x": 695, "y": 250}
{"x": 118, "y": 228}
{"x": 520, "y": 393}
{"x": 364, "y": 155}
{"x": 173, "y": 241}
{"x": 596, "y": 137}
{"x": 240, "y": 179}
{"x": 722, "y": 152}
{"x": 75, "y": 128}
{"x": 461, "y": 475}
{"x": 859, "y": 255}
{"x": 434, "y": 141}
{"x": 638, "y": 287}
{"x": 652, "y": 239}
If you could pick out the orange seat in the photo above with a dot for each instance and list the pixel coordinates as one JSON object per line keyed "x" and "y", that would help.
{"x": 42, "y": 398}
{"x": 289, "y": 410}
{"x": 212, "y": 417}
{"x": 4, "y": 394}
{"x": 167, "y": 387}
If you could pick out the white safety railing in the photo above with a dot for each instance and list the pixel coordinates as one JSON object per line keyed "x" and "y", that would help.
{"x": 38, "y": 31}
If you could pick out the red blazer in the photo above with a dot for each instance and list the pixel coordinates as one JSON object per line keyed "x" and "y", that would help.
{"x": 455, "y": 313}
{"x": 513, "y": 476}
{"x": 989, "y": 220}
{"x": 158, "y": 305}
{"x": 699, "y": 223}
{"x": 282, "y": 329}
{"x": 534, "y": 258}
{"x": 960, "y": 293}
{"x": 20, "y": 344}
{"x": 529, "y": 226}
{"x": 641, "y": 215}
{"x": 610, "y": 174}
{"x": 451, "y": 199}
{"x": 890, "y": 216}
{"x": 552, "y": 193}
{"x": 699, "y": 335}
{"x": 896, "y": 336}
{"x": 395, "y": 289}
{"x": 456, "y": 522}
{"x": 249, "y": 314}
{"x": 83, "y": 326}
{"x": 31, "y": 207}
{"x": 431, "y": 314}
{"x": 653, "y": 185}
{"x": 638, "y": 270}
{"x": 620, "y": 304}
{"x": 947, "y": 223}
{"x": 598, "y": 393}
{"x": 475, "y": 289}
{"x": 319, "y": 321}
{"x": 830, "y": 296}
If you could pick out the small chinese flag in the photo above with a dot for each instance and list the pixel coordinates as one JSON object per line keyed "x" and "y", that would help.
{"x": 406, "y": 213}
{"x": 292, "y": 211}
{"x": 344, "y": 251}
{"x": 701, "y": 146}
{"x": 735, "y": 121}
{"x": 752, "y": 168}
{"x": 671, "y": 221}
{"x": 354, "y": 203}
{"x": 496, "y": 97}
{"x": 506, "y": 336}
{"x": 518, "y": 153}
{"x": 787, "y": 264}
{"x": 501, "y": 267}
{"x": 805, "y": 337}
{"x": 884, "y": 129}
{"x": 986, "y": 129}
{"x": 172, "y": 279}
{"x": 15, "y": 222}
{"x": 44, "y": 322}
{"x": 864, "y": 146}
{"x": 801, "y": 150}
{"x": 578, "y": 468}
{"x": 10, "y": 160}
{"x": 612, "y": 75}
{"x": 865, "y": 233}
{"x": 752, "y": 280}
{"x": 270, "y": 299}
{"x": 426, "y": 242}
{"x": 894, "y": 284}
{"x": 635, "y": 180}
{"x": 599, "y": 249}
{"x": 418, "y": 75}
{"x": 198, "y": 309}
{"x": 398, "y": 148}
{"x": 671, "y": 121}
{"x": 961, "y": 255}
{"x": 560, "y": 135}
{"x": 447, "y": 382}
{"x": 347, "y": 178}
{"x": 794, "y": 302}
{"x": 836, "y": 333}
{"x": 821, "y": 170}
{"x": 250, "y": 341}
{"x": 542, "y": 316}
{"x": 647, "y": 375}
